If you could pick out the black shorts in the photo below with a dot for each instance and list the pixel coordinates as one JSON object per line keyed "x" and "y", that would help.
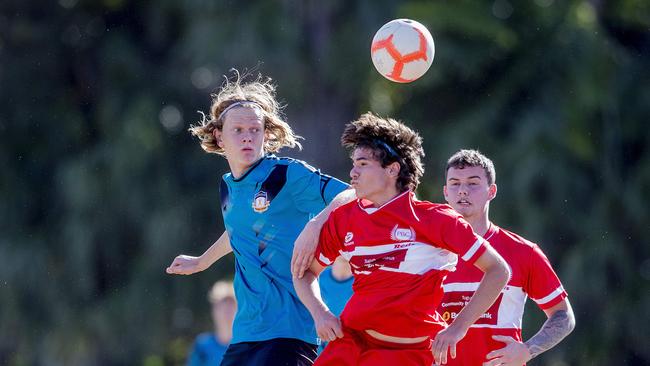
{"x": 274, "y": 352}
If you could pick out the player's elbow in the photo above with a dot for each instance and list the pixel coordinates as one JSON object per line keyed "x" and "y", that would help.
{"x": 570, "y": 318}
{"x": 501, "y": 270}
{"x": 507, "y": 272}
{"x": 571, "y": 324}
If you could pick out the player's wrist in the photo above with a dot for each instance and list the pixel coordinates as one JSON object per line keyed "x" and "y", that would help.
{"x": 320, "y": 310}
{"x": 528, "y": 353}
{"x": 202, "y": 263}
{"x": 460, "y": 323}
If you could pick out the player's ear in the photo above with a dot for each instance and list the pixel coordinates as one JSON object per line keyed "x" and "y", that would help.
{"x": 492, "y": 191}
{"x": 217, "y": 136}
{"x": 393, "y": 169}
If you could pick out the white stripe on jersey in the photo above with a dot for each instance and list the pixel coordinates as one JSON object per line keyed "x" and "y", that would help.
{"x": 511, "y": 309}
{"x": 460, "y": 286}
{"x": 550, "y": 296}
{"x": 324, "y": 259}
{"x": 470, "y": 252}
{"x": 420, "y": 257}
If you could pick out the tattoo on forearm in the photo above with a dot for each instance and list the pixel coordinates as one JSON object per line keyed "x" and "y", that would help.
{"x": 558, "y": 326}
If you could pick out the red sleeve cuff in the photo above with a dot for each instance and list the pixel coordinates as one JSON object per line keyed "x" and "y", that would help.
{"x": 475, "y": 251}
{"x": 322, "y": 259}
{"x": 552, "y": 299}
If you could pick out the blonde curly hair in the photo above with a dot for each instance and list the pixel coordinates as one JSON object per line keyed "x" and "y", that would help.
{"x": 261, "y": 92}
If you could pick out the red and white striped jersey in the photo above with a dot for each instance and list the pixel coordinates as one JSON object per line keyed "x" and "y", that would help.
{"x": 399, "y": 254}
{"x": 532, "y": 275}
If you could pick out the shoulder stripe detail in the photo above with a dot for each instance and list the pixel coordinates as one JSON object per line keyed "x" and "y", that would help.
{"x": 471, "y": 251}
{"x": 274, "y": 183}
{"x": 324, "y": 181}
{"x": 557, "y": 292}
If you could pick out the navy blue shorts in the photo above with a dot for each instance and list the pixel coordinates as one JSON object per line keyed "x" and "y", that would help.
{"x": 274, "y": 352}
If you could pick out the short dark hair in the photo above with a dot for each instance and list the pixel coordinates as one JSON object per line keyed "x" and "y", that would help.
{"x": 471, "y": 158}
{"x": 391, "y": 141}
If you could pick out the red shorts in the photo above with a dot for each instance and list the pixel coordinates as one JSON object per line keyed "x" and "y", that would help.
{"x": 359, "y": 348}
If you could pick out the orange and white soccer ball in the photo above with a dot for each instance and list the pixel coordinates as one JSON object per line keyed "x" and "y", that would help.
{"x": 402, "y": 50}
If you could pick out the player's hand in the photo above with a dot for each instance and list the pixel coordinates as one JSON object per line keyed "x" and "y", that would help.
{"x": 328, "y": 326}
{"x": 303, "y": 250}
{"x": 445, "y": 341}
{"x": 514, "y": 353}
{"x": 185, "y": 265}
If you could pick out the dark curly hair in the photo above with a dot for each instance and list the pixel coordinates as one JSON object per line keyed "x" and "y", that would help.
{"x": 391, "y": 141}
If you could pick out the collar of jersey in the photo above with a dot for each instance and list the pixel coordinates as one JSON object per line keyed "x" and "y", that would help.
{"x": 490, "y": 232}
{"x": 366, "y": 205}
{"x": 252, "y": 168}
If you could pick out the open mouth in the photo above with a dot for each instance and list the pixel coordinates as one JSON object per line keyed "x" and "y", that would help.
{"x": 463, "y": 202}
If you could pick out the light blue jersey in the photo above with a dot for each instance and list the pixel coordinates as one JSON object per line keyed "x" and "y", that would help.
{"x": 264, "y": 211}
{"x": 335, "y": 293}
{"x": 207, "y": 351}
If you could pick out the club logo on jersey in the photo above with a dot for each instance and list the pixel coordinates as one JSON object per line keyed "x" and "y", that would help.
{"x": 261, "y": 202}
{"x": 402, "y": 234}
{"x": 348, "y": 239}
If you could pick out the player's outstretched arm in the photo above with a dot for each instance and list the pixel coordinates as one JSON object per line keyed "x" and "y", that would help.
{"x": 187, "y": 265}
{"x": 559, "y": 324}
{"x": 328, "y": 326}
{"x": 497, "y": 274}
{"x": 305, "y": 245}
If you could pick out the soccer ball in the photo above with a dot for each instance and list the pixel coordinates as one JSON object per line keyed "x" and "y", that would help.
{"x": 402, "y": 50}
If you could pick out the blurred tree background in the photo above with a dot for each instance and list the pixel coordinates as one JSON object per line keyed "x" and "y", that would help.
{"x": 102, "y": 186}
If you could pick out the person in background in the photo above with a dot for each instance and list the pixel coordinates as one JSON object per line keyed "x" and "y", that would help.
{"x": 495, "y": 339}
{"x": 209, "y": 347}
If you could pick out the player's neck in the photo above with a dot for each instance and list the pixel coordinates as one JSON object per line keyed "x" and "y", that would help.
{"x": 238, "y": 170}
{"x": 384, "y": 196}
{"x": 480, "y": 223}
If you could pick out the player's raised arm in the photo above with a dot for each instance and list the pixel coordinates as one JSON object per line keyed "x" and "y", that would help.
{"x": 187, "y": 265}
{"x": 497, "y": 274}
{"x": 305, "y": 245}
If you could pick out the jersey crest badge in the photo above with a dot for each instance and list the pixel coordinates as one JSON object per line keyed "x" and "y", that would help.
{"x": 402, "y": 234}
{"x": 261, "y": 202}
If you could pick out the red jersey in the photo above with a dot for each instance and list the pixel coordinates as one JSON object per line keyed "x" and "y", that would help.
{"x": 399, "y": 254}
{"x": 532, "y": 276}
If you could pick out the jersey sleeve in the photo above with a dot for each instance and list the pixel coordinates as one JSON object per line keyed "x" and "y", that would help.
{"x": 457, "y": 235}
{"x": 543, "y": 285}
{"x": 311, "y": 189}
{"x": 329, "y": 242}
